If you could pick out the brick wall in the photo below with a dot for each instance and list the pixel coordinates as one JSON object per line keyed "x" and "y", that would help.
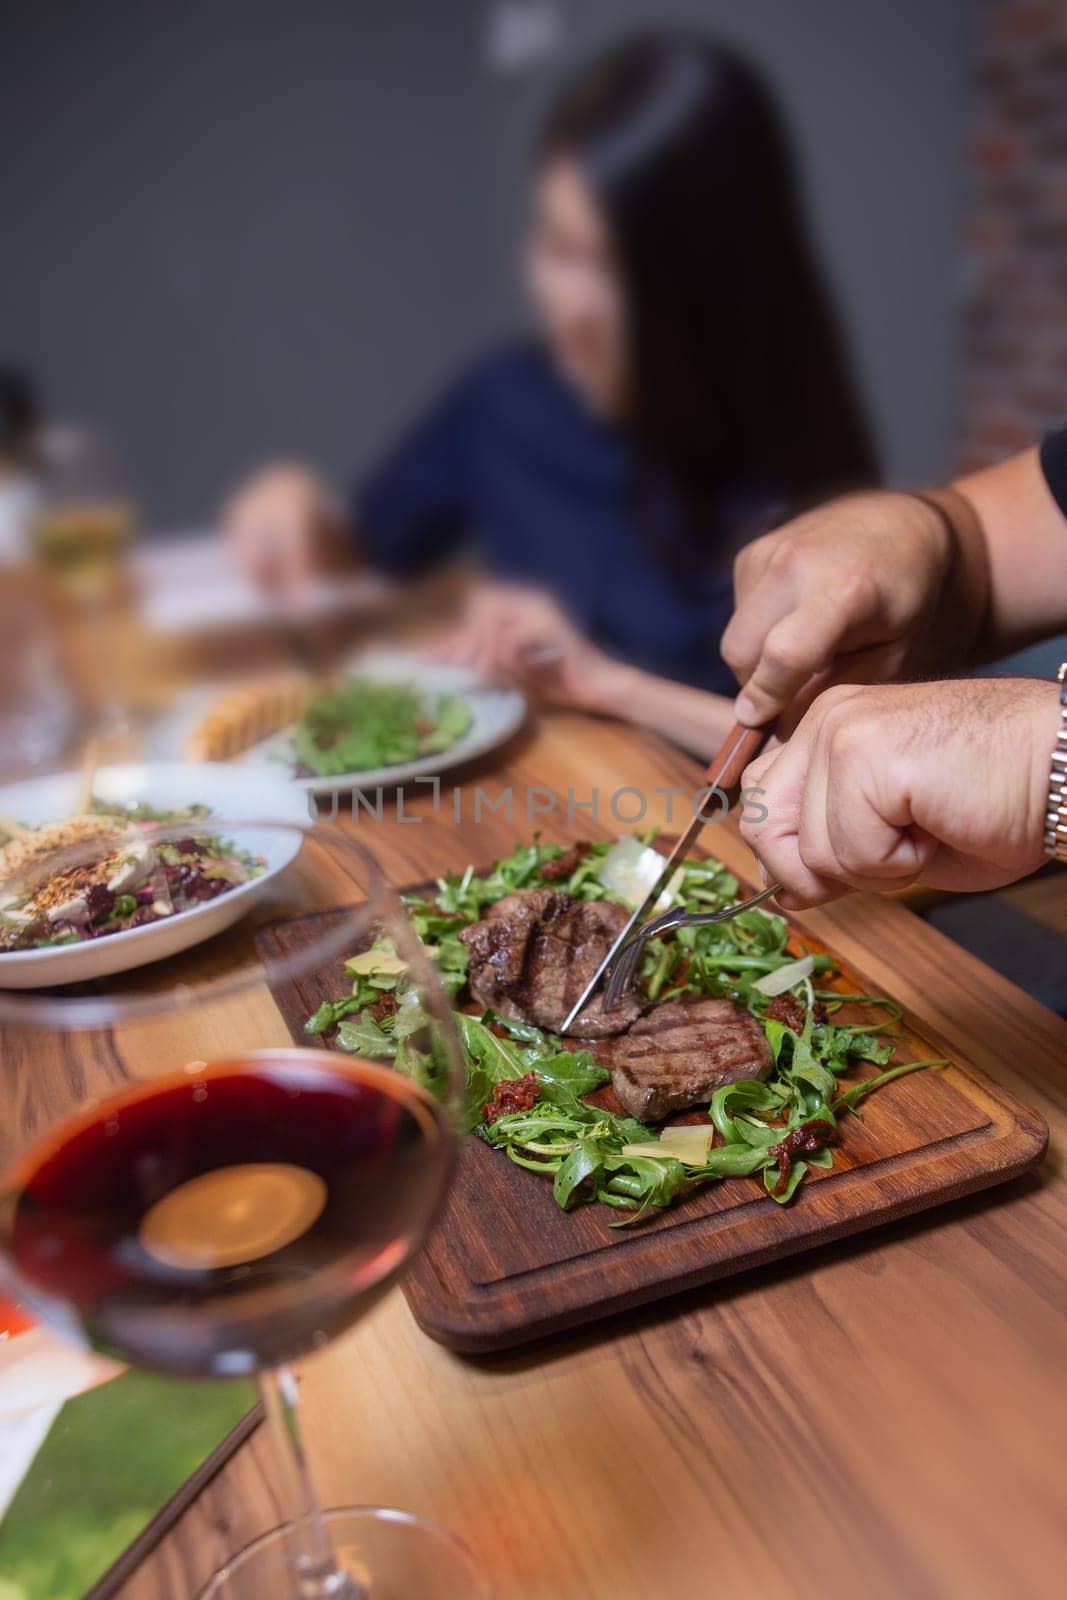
{"x": 1015, "y": 323}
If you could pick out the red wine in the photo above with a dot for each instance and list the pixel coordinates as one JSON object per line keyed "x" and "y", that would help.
{"x": 230, "y": 1218}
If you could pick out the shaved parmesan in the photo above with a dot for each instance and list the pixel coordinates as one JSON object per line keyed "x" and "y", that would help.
{"x": 689, "y": 1145}
{"x": 384, "y": 963}
{"x": 785, "y": 977}
{"x": 135, "y": 866}
{"x": 630, "y": 869}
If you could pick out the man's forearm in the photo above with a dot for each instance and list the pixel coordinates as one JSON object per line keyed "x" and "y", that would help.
{"x": 1024, "y": 535}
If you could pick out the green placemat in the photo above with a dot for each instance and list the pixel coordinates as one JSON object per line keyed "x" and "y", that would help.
{"x": 115, "y": 1468}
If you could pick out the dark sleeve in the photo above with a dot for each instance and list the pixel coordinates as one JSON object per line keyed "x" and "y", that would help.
{"x": 1054, "y": 466}
{"x": 415, "y": 507}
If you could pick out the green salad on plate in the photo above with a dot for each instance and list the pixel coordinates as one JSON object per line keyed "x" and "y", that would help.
{"x": 368, "y": 723}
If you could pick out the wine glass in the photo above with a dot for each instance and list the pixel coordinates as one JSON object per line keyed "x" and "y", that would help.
{"x": 191, "y": 1191}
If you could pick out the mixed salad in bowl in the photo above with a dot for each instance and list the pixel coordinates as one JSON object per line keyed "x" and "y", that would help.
{"x": 93, "y": 875}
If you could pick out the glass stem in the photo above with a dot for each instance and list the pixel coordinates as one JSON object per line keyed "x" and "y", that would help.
{"x": 315, "y": 1568}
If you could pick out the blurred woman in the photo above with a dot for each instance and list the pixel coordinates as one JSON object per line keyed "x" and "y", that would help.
{"x": 685, "y": 388}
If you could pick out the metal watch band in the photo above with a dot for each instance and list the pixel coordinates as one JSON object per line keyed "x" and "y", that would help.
{"x": 1056, "y": 815}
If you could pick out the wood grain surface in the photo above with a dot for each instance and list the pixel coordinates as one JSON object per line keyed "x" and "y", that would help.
{"x": 883, "y": 1416}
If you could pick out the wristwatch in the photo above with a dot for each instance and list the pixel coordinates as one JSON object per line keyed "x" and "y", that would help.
{"x": 1056, "y": 815}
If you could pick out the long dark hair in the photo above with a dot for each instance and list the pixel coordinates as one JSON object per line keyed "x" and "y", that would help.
{"x": 738, "y": 366}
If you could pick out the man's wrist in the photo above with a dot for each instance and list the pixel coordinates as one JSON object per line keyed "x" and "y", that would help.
{"x": 963, "y": 609}
{"x": 937, "y": 526}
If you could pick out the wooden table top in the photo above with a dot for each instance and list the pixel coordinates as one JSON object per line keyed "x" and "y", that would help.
{"x": 886, "y": 1415}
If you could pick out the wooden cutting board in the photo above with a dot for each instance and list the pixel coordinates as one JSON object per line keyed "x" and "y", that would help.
{"x": 505, "y": 1265}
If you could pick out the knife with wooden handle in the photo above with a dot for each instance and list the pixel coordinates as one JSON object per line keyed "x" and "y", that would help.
{"x": 724, "y": 773}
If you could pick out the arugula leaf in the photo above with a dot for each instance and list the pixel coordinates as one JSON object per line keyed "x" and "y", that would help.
{"x": 856, "y": 1042}
{"x": 749, "y": 1094}
{"x": 793, "y": 1181}
{"x": 498, "y": 1058}
{"x": 650, "y": 1182}
{"x": 330, "y": 1013}
{"x": 364, "y": 1037}
{"x": 574, "y": 1070}
{"x": 451, "y": 957}
{"x": 581, "y": 1167}
{"x": 850, "y": 1098}
{"x": 409, "y": 1017}
{"x": 527, "y": 1032}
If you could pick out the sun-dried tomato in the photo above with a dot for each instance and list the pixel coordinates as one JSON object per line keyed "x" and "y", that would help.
{"x": 803, "y": 1141}
{"x": 564, "y": 865}
{"x": 788, "y": 1009}
{"x": 513, "y": 1094}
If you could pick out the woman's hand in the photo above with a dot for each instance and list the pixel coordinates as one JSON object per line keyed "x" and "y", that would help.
{"x": 521, "y": 635}
{"x": 285, "y": 530}
{"x": 939, "y": 783}
{"x": 848, "y": 590}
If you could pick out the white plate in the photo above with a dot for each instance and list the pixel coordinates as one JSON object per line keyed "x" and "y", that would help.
{"x": 496, "y": 713}
{"x": 231, "y": 794}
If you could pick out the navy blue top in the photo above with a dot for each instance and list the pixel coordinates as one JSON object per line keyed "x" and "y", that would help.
{"x": 510, "y": 464}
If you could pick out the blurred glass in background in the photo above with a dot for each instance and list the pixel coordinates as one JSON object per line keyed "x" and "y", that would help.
{"x": 84, "y": 522}
{"x": 37, "y": 710}
{"x": 66, "y": 526}
{"x": 82, "y": 533}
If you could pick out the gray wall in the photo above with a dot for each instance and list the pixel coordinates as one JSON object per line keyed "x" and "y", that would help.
{"x": 233, "y": 228}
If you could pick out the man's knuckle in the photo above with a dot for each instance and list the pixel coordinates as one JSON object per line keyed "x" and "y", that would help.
{"x": 783, "y": 557}
{"x": 858, "y": 868}
{"x": 752, "y": 557}
{"x": 817, "y": 857}
{"x": 785, "y": 656}
{"x": 834, "y": 702}
{"x": 731, "y": 643}
{"x": 853, "y": 735}
{"x": 857, "y": 591}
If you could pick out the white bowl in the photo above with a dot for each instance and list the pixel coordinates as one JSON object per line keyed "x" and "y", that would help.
{"x": 232, "y": 794}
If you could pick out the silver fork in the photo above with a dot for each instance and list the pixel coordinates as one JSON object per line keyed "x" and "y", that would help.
{"x": 624, "y": 966}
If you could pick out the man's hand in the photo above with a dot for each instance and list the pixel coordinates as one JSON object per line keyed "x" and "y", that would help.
{"x": 285, "y": 530}
{"x": 847, "y": 592}
{"x": 937, "y": 783}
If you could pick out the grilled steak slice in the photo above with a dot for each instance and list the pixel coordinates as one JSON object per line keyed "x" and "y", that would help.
{"x": 534, "y": 952}
{"x": 677, "y": 1055}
